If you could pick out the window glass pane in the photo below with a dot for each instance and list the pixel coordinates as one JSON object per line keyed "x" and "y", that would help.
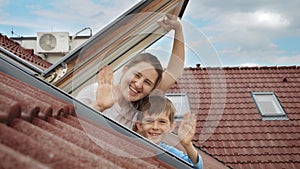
{"x": 268, "y": 105}
{"x": 181, "y": 103}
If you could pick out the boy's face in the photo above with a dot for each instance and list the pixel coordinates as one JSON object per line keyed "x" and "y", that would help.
{"x": 155, "y": 127}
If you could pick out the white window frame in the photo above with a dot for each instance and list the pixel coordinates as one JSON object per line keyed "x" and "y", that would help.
{"x": 263, "y": 98}
{"x": 181, "y": 103}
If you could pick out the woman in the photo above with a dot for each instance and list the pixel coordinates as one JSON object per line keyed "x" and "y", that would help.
{"x": 140, "y": 77}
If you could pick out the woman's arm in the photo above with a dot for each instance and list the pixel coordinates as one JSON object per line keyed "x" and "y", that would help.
{"x": 176, "y": 63}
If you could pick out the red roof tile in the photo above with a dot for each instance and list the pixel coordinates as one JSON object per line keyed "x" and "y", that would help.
{"x": 59, "y": 138}
{"x": 230, "y": 127}
{"x": 13, "y": 159}
{"x": 25, "y": 54}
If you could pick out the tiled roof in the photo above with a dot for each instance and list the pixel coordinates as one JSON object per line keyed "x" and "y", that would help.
{"x": 229, "y": 125}
{"x": 25, "y": 54}
{"x": 47, "y": 133}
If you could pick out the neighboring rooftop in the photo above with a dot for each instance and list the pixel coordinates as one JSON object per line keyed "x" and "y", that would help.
{"x": 230, "y": 126}
{"x": 26, "y": 54}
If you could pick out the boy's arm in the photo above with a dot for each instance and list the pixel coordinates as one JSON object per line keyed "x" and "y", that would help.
{"x": 186, "y": 134}
{"x": 176, "y": 63}
{"x": 191, "y": 152}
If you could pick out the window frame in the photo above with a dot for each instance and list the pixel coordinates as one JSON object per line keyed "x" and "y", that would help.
{"x": 281, "y": 115}
{"x": 136, "y": 29}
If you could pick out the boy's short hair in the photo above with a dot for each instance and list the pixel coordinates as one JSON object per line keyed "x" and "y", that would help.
{"x": 156, "y": 105}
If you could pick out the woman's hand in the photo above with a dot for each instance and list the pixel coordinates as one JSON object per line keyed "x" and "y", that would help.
{"x": 170, "y": 22}
{"x": 105, "y": 97}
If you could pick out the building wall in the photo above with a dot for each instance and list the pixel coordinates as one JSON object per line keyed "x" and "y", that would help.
{"x": 31, "y": 43}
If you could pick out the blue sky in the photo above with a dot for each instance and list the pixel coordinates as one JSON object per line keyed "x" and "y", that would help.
{"x": 230, "y": 33}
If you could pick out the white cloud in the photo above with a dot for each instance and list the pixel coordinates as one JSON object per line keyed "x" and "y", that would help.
{"x": 66, "y": 15}
{"x": 284, "y": 60}
{"x": 95, "y": 15}
{"x": 270, "y": 19}
{"x": 259, "y": 20}
{"x": 249, "y": 65}
{"x": 245, "y": 31}
{"x": 241, "y": 31}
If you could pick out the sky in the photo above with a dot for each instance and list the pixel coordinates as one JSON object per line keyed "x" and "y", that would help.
{"x": 226, "y": 33}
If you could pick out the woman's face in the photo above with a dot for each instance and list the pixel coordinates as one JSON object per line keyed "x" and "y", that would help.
{"x": 138, "y": 81}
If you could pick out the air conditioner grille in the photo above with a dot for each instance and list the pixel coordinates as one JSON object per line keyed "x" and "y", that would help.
{"x": 48, "y": 42}
{"x": 52, "y": 42}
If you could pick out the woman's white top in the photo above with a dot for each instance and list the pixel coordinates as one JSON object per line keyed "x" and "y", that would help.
{"x": 120, "y": 114}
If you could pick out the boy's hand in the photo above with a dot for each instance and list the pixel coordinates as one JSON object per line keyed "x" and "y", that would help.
{"x": 105, "y": 91}
{"x": 186, "y": 134}
{"x": 187, "y": 129}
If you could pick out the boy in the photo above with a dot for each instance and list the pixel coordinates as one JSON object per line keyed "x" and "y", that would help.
{"x": 156, "y": 120}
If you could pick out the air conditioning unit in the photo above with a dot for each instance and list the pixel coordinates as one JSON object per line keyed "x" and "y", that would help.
{"x": 52, "y": 42}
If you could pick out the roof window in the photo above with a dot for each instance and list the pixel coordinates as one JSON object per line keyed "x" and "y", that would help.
{"x": 269, "y": 106}
{"x": 181, "y": 104}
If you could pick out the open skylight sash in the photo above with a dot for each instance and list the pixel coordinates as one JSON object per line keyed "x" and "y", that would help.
{"x": 131, "y": 33}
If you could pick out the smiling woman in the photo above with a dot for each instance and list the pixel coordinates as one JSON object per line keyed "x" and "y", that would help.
{"x": 120, "y": 102}
{"x": 140, "y": 76}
